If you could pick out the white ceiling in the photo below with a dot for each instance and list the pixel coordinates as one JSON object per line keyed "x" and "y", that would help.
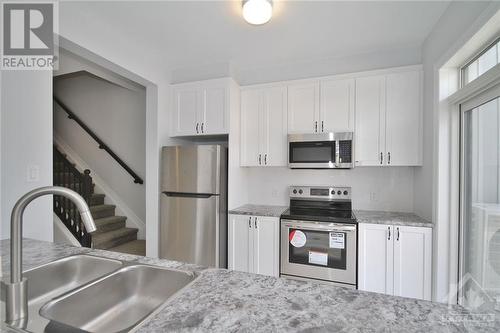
{"x": 186, "y": 34}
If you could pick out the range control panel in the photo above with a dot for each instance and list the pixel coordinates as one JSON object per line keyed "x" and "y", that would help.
{"x": 320, "y": 192}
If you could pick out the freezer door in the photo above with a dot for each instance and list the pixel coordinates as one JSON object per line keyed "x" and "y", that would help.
{"x": 191, "y": 169}
{"x": 190, "y": 229}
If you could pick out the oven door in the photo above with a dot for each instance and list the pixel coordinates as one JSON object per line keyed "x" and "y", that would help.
{"x": 312, "y": 154}
{"x": 325, "y": 251}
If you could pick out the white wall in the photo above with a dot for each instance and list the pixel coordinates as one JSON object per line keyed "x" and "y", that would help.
{"x": 26, "y": 140}
{"x": 459, "y": 23}
{"x": 372, "y": 188}
{"x": 457, "y": 19}
{"x": 118, "y": 116}
{"x": 329, "y": 66}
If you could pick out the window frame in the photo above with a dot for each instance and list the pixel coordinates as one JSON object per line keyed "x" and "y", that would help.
{"x": 467, "y": 105}
{"x": 463, "y": 69}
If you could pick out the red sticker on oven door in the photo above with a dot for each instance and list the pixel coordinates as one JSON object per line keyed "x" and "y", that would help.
{"x": 297, "y": 238}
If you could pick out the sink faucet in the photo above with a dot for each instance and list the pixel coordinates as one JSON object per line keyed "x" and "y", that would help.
{"x": 16, "y": 301}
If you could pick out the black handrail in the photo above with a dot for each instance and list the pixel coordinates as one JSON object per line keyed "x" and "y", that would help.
{"x": 102, "y": 145}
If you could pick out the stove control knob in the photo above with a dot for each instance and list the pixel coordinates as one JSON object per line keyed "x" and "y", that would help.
{"x": 300, "y": 192}
{"x": 332, "y": 192}
{"x": 339, "y": 192}
{"x": 346, "y": 193}
{"x": 294, "y": 191}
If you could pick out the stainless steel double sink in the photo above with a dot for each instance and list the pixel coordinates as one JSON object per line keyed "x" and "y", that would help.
{"x": 94, "y": 294}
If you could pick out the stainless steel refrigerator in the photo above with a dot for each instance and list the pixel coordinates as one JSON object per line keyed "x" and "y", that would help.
{"x": 193, "y": 226}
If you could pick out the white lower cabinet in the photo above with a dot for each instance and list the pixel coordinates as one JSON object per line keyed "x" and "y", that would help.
{"x": 395, "y": 260}
{"x": 412, "y": 262}
{"x": 253, "y": 244}
{"x": 375, "y": 258}
{"x": 240, "y": 242}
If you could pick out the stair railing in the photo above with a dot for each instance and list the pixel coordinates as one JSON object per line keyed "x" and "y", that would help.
{"x": 102, "y": 145}
{"x": 67, "y": 175}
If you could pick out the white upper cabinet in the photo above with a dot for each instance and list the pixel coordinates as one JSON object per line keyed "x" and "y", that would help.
{"x": 201, "y": 108}
{"x": 303, "y": 107}
{"x": 275, "y": 126}
{"x": 403, "y": 133}
{"x": 187, "y": 106}
{"x": 369, "y": 121}
{"x": 251, "y": 106}
{"x": 336, "y": 107}
{"x": 388, "y": 115}
{"x": 321, "y": 106}
{"x": 264, "y": 126}
{"x": 215, "y": 116}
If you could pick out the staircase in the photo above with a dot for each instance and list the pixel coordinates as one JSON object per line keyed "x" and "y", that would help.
{"x": 111, "y": 234}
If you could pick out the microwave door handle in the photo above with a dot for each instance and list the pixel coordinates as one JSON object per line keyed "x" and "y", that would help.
{"x": 337, "y": 153}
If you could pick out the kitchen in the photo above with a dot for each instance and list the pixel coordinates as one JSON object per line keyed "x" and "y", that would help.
{"x": 306, "y": 200}
{"x": 325, "y": 125}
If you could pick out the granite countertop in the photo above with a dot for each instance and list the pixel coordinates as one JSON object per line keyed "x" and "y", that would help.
{"x": 227, "y": 301}
{"x": 395, "y": 218}
{"x": 259, "y": 210}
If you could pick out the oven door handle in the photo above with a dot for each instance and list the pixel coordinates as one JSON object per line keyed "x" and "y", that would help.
{"x": 331, "y": 228}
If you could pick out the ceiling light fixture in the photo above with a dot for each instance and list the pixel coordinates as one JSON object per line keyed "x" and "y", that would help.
{"x": 257, "y": 11}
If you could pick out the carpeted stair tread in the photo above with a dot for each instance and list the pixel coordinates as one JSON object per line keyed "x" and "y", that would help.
{"x": 109, "y": 239}
{"x": 100, "y": 211}
{"x": 110, "y": 223}
{"x": 97, "y": 199}
{"x": 136, "y": 247}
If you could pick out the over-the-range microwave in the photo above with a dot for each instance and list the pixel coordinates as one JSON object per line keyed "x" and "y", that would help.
{"x": 321, "y": 151}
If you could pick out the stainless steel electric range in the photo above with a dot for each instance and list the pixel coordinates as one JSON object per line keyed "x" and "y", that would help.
{"x": 319, "y": 235}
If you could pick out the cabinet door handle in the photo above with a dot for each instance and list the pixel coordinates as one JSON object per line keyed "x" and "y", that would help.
{"x": 316, "y": 126}
{"x": 389, "y": 230}
{"x": 250, "y": 222}
{"x": 202, "y": 127}
{"x": 381, "y": 158}
{"x": 322, "y": 126}
{"x": 397, "y": 237}
{"x": 265, "y": 159}
{"x": 260, "y": 159}
{"x": 389, "y": 158}
{"x": 197, "y": 125}
{"x": 255, "y": 223}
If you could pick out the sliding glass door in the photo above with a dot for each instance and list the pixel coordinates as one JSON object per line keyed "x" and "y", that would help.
{"x": 479, "y": 280}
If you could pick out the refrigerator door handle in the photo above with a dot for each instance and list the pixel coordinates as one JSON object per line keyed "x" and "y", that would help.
{"x": 188, "y": 195}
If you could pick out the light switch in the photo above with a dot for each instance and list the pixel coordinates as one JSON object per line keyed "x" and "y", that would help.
{"x": 33, "y": 173}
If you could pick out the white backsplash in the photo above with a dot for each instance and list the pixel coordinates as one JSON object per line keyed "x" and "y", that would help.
{"x": 373, "y": 188}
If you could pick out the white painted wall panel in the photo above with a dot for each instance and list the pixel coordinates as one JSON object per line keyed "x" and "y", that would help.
{"x": 26, "y": 140}
{"x": 391, "y": 188}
